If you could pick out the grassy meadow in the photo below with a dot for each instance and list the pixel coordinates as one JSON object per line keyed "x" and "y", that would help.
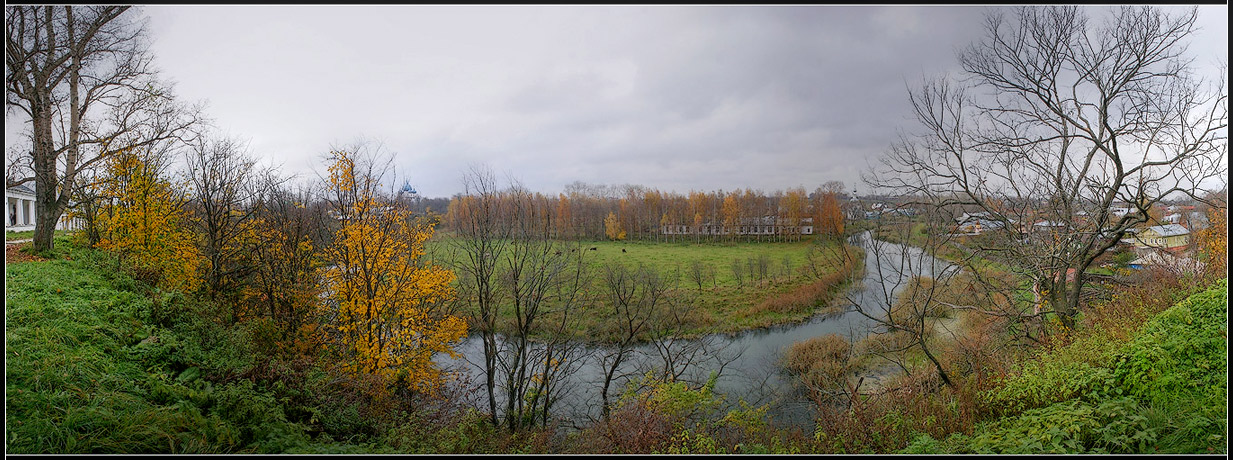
{"x": 774, "y": 287}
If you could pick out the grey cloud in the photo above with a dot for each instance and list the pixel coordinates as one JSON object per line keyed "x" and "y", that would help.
{"x": 673, "y": 97}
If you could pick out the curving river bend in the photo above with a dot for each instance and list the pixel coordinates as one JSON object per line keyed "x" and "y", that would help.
{"x": 748, "y": 362}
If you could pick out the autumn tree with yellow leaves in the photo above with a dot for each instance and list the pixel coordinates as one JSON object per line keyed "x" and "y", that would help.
{"x": 1213, "y": 241}
{"x": 612, "y": 227}
{"x": 387, "y": 304}
{"x": 143, "y": 220}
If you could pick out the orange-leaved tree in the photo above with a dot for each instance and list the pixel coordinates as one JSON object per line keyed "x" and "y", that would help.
{"x": 388, "y": 303}
{"x": 830, "y": 217}
{"x": 143, "y": 219}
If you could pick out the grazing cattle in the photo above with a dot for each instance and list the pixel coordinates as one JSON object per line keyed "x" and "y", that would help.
{"x": 622, "y": 249}
{"x": 594, "y": 249}
{"x": 557, "y": 253}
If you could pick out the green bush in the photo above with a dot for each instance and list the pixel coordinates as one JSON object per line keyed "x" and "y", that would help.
{"x": 1181, "y": 353}
{"x": 1066, "y": 428}
{"x": 1178, "y": 365}
{"x": 1048, "y": 381}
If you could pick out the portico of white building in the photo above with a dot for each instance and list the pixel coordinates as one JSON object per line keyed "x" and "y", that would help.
{"x": 18, "y": 209}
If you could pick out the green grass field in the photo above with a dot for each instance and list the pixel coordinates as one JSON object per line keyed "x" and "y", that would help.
{"x": 726, "y": 303}
{"x": 24, "y": 235}
{"x": 28, "y": 234}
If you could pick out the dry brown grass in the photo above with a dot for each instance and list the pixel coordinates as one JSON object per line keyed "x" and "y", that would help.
{"x": 822, "y": 364}
{"x": 807, "y": 296}
{"x": 634, "y": 428}
{"x": 890, "y": 419}
{"x": 818, "y": 351}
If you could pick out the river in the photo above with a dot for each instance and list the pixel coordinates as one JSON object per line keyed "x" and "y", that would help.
{"x": 748, "y": 362}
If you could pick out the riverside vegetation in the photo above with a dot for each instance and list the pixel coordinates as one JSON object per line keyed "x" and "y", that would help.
{"x": 108, "y": 351}
{"x": 101, "y": 362}
{"x": 223, "y": 308}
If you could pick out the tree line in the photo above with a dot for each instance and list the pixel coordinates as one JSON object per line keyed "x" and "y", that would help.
{"x": 636, "y": 212}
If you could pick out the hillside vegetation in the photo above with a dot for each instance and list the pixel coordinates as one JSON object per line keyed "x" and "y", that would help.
{"x": 1164, "y": 391}
{"x": 100, "y": 363}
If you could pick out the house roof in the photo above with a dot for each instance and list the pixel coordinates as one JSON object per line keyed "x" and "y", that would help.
{"x": 1168, "y": 230}
{"x": 1049, "y": 223}
{"x": 19, "y": 189}
{"x": 971, "y": 216}
{"x": 981, "y": 222}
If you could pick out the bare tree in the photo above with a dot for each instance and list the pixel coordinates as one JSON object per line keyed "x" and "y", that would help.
{"x": 225, "y": 184}
{"x": 678, "y": 354}
{"x": 697, "y": 272}
{"x": 1057, "y": 120}
{"x": 82, "y": 76}
{"x": 480, "y": 244}
{"x": 738, "y": 272}
{"x": 522, "y": 288}
{"x": 634, "y": 295}
{"x": 293, "y": 225}
{"x": 544, "y": 285}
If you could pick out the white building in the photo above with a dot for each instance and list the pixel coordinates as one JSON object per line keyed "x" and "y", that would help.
{"x": 756, "y": 226}
{"x": 20, "y": 209}
{"x": 976, "y": 223}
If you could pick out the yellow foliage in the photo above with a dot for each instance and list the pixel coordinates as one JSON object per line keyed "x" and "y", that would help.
{"x": 284, "y": 277}
{"x": 1214, "y": 240}
{"x": 612, "y": 227}
{"x": 386, "y": 298}
{"x": 142, "y": 219}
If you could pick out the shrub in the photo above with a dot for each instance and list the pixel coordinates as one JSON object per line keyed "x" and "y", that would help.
{"x": 1114, "y": 425}
{"x": 822, "y": 363}
{"x": 1180, "y": 353}
{"x": 1163, "y": 391}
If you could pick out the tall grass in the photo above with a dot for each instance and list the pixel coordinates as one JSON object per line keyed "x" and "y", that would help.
{"x": 87, "y": 372}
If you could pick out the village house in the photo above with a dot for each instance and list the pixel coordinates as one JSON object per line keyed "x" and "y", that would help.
{"x": 1119, "y": 211}
{"x": 976, "y": 223}
{"x": 1166, "y": 261}
{"x": 1049, "y": 226}
{"x": 1169, "y": 236}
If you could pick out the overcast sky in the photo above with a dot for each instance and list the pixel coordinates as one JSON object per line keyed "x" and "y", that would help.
{"x": 676, "y": 98}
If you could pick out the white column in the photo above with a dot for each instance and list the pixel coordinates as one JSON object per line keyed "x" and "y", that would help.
{"x": 29, "y": 212}
{"x": 8, "y": 211}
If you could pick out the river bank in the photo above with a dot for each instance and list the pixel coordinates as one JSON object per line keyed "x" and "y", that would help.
{"x": 749, "y": 361}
